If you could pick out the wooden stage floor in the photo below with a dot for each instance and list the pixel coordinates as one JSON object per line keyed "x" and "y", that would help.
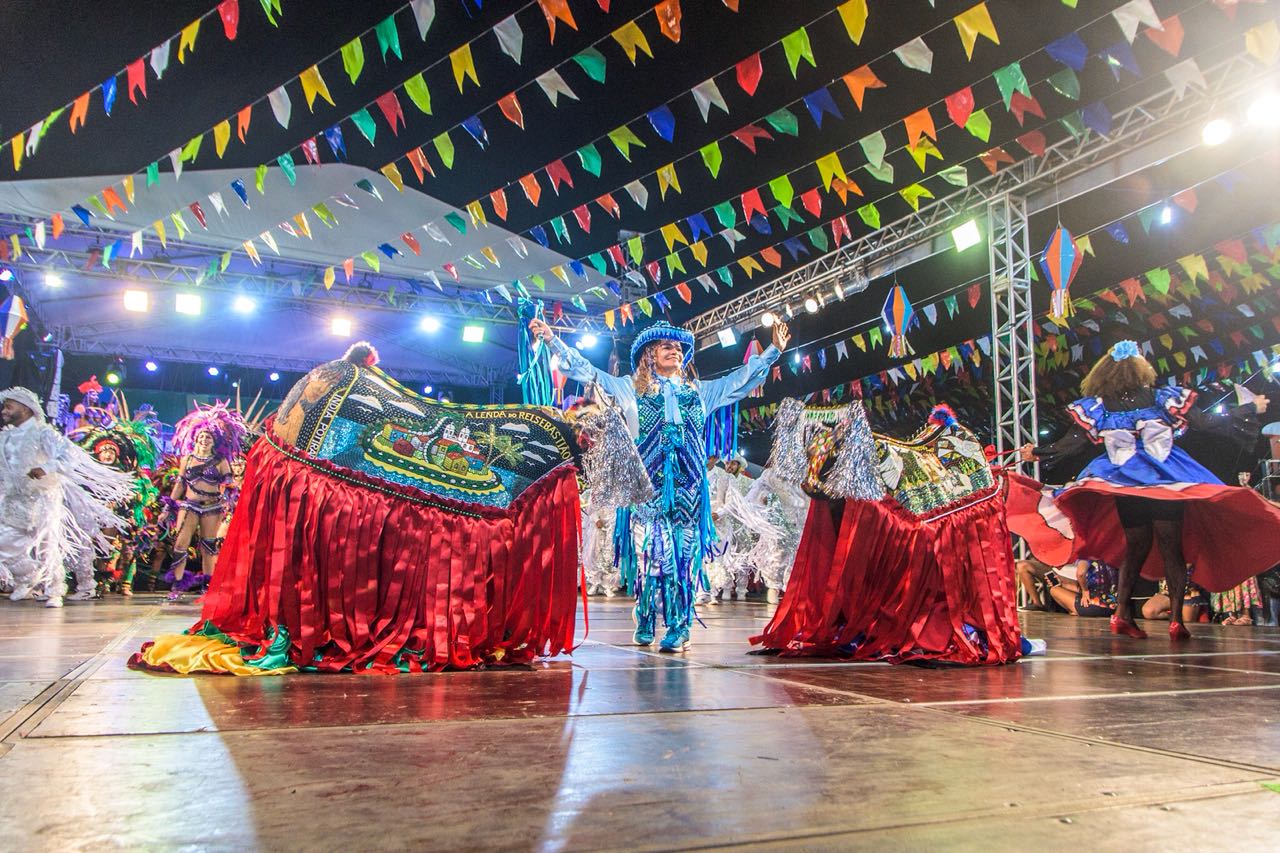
{"x": 1106, "y": 743}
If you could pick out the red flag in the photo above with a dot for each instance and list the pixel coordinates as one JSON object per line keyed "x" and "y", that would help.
{"x": 749, "y": 72}
{"x": 749, "y": 134}
{"x": 975, "y": 294}
{"x": 412, "y": 242}
{"x": 751, "y": 202}
{"x": 198, "y": 212}
{"x": 136, "y": 74}
{"x": 391, "y": 110}
{"x": 559, "y": 174}
{"x": 510, "y": 106}
{"x": 1034, "y": 141}
{"x": 772, "y": 257}
{"x": 960, "y": 106}
{"x": 840, "y": 230}
{"x": 685, "y": 294}
{"x": 229, "y": 11}
{"x": 242, "y": 121}
{"x": 583, "y": 216}
{"x": 349, "y": 268}
{"x": 812, "y": 201}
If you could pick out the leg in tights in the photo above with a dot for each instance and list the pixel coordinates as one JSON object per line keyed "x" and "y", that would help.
{"x": 1169, "y": 541}
{"x": 1137, "y": 547}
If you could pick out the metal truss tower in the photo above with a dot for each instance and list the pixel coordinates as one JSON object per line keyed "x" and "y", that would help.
{"x": 1013, "y": 363}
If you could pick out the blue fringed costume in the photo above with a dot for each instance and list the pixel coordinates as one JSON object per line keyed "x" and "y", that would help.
{"x": 672, "y": 532}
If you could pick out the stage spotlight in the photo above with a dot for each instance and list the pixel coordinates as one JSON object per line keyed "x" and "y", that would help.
{"x": 235, "y": 384}
{"x": 1265, "y": 110}
{"x": 767, "y": 319}
{"x": 341, "y": 326}
{"x": 966, "y": 235}
{"x": 796, "y": 358}
{"x": 727, "y": 337}
{"x": 789, "y": 311}
{"x": 273, "y": 376}
{"x": 243, "y": 305}
{"x": 587, "y": 341}
{"x": 212, "y": 371}
{"x": 151, "y": 367}
{"x": 187, "y": 303}
{"x": 52, "y": 279}
{"x": 6, "y": 274}
{"x": 429, "y": 324}
{"x": 426, "y": 389}
{"x": 1166, "y": 215}
{"x": 838, "y": 292}
{"x": 137, "y": 301}
{"x": 811, "y": 305}
{"x": 473, "y": 334}
{"x": 1216, "y": 131}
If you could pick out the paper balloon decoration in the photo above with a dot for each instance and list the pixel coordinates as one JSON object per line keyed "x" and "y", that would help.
{"x": 1061, "y": 261}
{"x": 898, "y": 314}
{"x": 13, "y": 319}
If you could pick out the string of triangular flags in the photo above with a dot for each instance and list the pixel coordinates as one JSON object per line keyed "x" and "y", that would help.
{"x": 25, "y": 143}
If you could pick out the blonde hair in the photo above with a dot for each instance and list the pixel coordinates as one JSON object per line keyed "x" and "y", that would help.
{"x": 645, "y": 378}
{"x": 1110, "y": 377}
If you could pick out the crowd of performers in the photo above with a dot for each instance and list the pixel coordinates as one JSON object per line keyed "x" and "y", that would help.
{"x": 463, "y": 519}
{"x": 94, "y": 505}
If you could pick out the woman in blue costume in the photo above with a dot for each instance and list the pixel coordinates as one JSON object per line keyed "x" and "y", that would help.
{"x": 666, "y": 410}
{"x": 1146, "y": 489}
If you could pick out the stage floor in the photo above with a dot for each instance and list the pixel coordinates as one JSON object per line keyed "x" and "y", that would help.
{"x": 1106, "y": 743}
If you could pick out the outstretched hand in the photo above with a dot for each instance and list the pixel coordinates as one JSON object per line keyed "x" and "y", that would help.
{"x": 541, "y": 330}
{"x": 781, "y": 335}
{"x": 1261, "y": 402}
{"x": 1027, "y": 453}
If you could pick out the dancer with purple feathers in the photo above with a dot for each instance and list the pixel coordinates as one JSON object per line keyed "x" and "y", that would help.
{"x": 207, "y": 440}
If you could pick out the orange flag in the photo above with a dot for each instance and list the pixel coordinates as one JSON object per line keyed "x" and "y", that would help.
{"x": 668, "y": 12}
{"x": 859, "y": 81}
{"x": 79, "y": 110}
{"x": 557, "y": 10}
{"x": 510, "y": 106}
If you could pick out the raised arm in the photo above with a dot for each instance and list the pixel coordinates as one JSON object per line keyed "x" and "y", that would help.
{"x": 577, "y": 368}
{"x": 741, "y": 382}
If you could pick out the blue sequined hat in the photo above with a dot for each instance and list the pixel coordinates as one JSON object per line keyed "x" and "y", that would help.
{"x": 662, "y": 331}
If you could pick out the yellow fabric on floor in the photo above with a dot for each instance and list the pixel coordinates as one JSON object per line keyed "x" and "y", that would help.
{"x": 187, "y": 654}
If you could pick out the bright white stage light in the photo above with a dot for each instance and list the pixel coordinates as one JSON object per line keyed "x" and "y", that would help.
{"x": 1265, "y": 110}
{"x": 767, "y": 319}
{"x": 811, "y": 305}
{"x": 966, "y": 235}
{"x": 727, "y": 337}
{"x": 243, "y": 305}
{"x": 52, "y": 279}
{"x": 137, "y": 301}
{"x": 587, "y": 341}
{"x": 151, "y": 367}
{"x": 188, "y": 303}
{"x": 473, "y": 334}
{"x": 341, "y": 326}
{"x": 1216, "y": 132}
{"x": 274, "y": 376}
{"x": 1166, "y": 215}
{"x": 429, "y": 324}
{"x": 212, "y": 371}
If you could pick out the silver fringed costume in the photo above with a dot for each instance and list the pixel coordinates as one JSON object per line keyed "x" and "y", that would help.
{"x": 775, "y": 510}
{"x": 46, "y": 521}
{"x": 602, "y": 575}
{"x": 729, "y": 570}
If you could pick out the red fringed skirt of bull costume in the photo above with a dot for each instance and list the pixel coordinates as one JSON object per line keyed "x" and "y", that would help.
{"x": 380, "y": 531}
{"x": 905, "y": 554}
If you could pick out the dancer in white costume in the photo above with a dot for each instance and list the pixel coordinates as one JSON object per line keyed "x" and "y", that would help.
{"x": 603, "y": 576}
{"x": 53, "y": 501}
{"x": 776, "y": 510}
{"x": 728, "y": 572}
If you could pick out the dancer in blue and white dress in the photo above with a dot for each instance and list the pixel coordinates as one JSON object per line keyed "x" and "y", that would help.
{"x": 666, "y": 410}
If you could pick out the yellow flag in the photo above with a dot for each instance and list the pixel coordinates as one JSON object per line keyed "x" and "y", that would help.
{"x": 559, "y": 272}
{"x": 667, "y": 178}
{"x": 924, "y": 148}
{"x": 328, "y": 278}
{"x": 1263, "y": 42}
{"x": 304, "y": 227}
{"x": 221, "y": 135}
{"x": 1194, "y": 266}
{"x": 1085, "y": 244}
{"x": 973, "y": 23}
{"x": 860, "y": 342}
{"x": 187, "y": 41}
{"x": 854, "y": 15}
{"x": 313, "y": 84}
{"x": 17, "y": 145}
{"x": 476, "y": 210}
{"x": 912, "y": 195}
{"x": 463, "y": 65}
{"x": 158, "y": 225}
{"x": 392, "y": 174}
{"x": 830, "y": 168}
{"x": 700, "y": 252}
{"x": 252, "y": 251}
{"x": 491, "y": 255}
{"x": 671, "y": 233}
{"x": 750, "y": 265}
{"x": 128, "y": 187}
{"x": 631, "y": 37}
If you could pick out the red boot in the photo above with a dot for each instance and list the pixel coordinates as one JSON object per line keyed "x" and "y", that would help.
{"x": 1178, "y": 631}
{"x": 1124, "y": 626}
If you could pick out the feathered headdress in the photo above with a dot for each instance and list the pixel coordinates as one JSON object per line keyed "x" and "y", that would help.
{"x": 226, "y": 427}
